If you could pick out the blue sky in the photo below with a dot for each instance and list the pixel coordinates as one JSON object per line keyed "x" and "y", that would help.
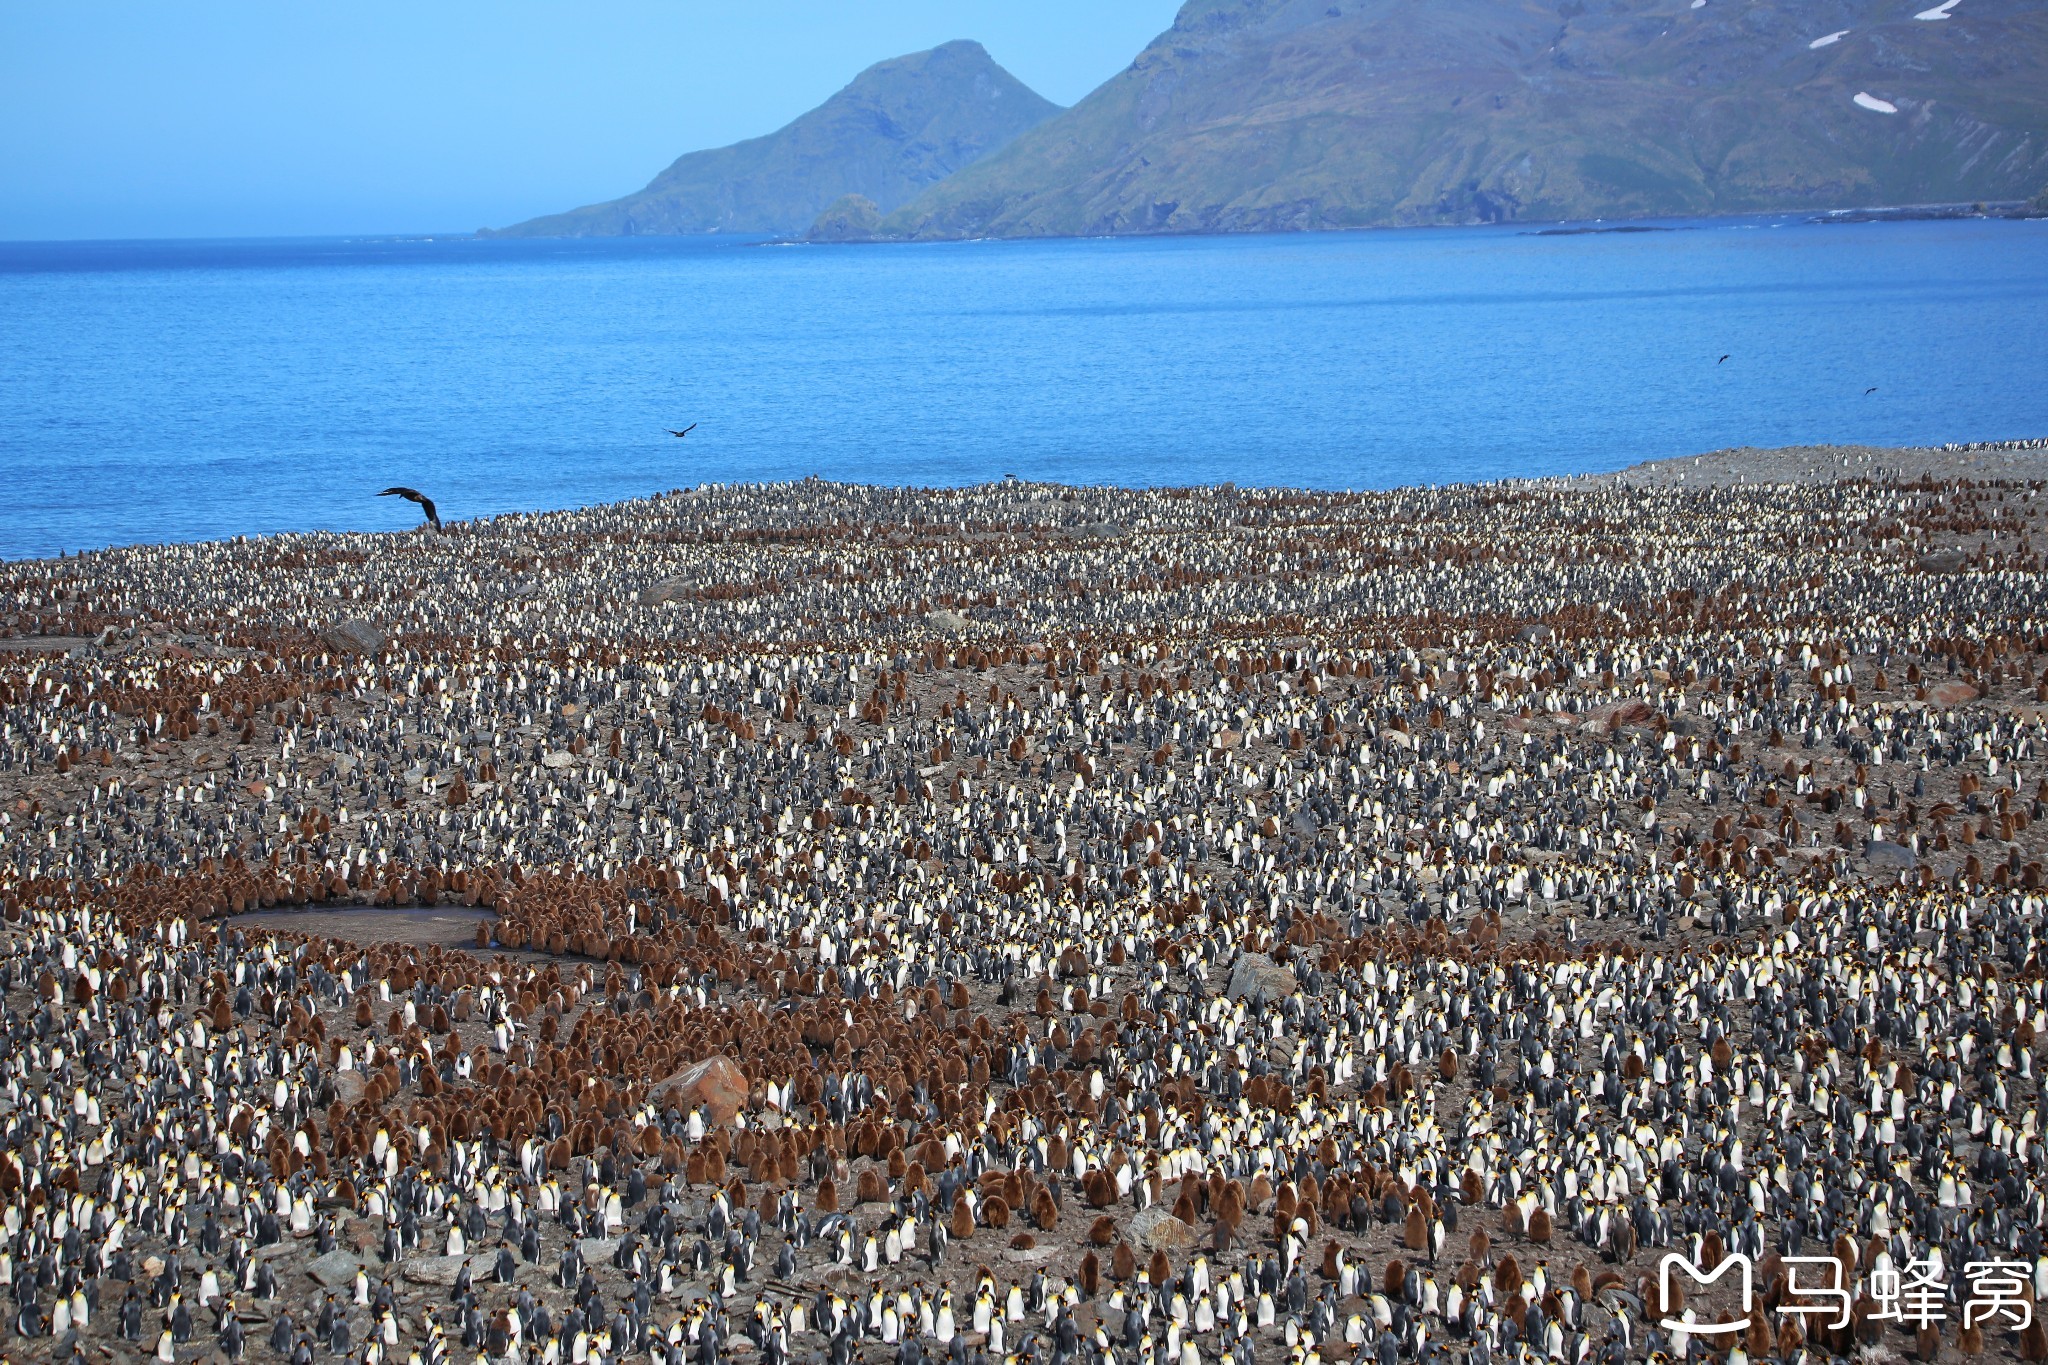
{"x": 143, "y": 118}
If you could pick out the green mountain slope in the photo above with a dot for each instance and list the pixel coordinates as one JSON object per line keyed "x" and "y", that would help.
{"x": 899, "y": 127}
{"x": 1260, "y": 115}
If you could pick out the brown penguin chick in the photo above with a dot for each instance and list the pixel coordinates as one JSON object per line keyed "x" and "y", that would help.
{"x": 826, "y": 1200}
{"x": 1480, "y": 1244}
{"x": 1582, "y": 1282}
{"x": 1230, "y": 1209}
{"x": 1158, "y": 1269}
{"x": 1023, "y": 1241}
{"x": 1970, "y": 1341}
{"x": 1102, "y": 1231}
{"x": 1331, "y": 1251}
{"x": 1415, "y": 1235}
{"x": 1090, "y": 1275}
{"x": 1123, "y": 1262}
{"x": 1507, "y": 1275}
{"x": 1045, "y": 1213}
{"x": 1926, "y": 1343}
{"x": 1539, "y": 1225}
{"x": 1393, "y": 1277}
{"x": 2033, "y": 1343}
{"x": 995, "y": 1212}
{"x": 962, "y": 1223}
{"x": 1756, "y": 1338}
{"x": 869, "y": 1189}
{"x": 1512, "y": 1222}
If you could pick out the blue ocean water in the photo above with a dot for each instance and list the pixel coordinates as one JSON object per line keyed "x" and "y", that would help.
{"x": 180, "y": 390}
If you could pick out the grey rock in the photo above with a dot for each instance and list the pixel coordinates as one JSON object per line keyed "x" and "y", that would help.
{"x": 1156, "y": 1229}
{"x": 1942, "y": 561}
{"x": 597, "y": 1250}
{"x": 668, "y": 590}
{"x": 1885, "y": 853}
{"x": 442, "y": 1270}
{"x": 335, "y": 1269}
{"x": 951, "y": 621}
{"x": 353, "y": 636}
{"x": 1258, "y": 974}
{"x": 349, "y": 1086}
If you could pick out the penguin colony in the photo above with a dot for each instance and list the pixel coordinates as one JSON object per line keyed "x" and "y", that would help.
{"x": 1028, "y": 923}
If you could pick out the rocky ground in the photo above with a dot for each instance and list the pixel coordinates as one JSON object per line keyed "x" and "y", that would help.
{"x": 1203, "y": 905}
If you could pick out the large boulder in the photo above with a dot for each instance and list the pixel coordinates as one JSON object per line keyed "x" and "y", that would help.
{"x": 668, "y": 590}
{"x": 951, "y": 622}
{"x": 1156, "y": 1229}
{"x": 349, "y": 1086}
{"x": 353, "y": 636}
{"x": 1953, "y": 693}
{"x": 335, "y": 1269}
{"x": 1259, "y": 975}
{"x": 716, "y": 1084}
{"x": 1613, "y": 716}
{"x": 442, "y": 1270}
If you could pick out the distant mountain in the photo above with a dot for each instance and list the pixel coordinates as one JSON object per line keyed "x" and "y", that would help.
{"x": 1260, "y": 115}
{"x": 899, "y": 127}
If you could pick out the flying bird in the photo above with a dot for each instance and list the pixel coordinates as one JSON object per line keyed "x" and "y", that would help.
{"x": 414, "y": 495}
{"x": 1722, "y": 361}
{"x": 684, "y": 432}
{"x": 1869, "y": 391}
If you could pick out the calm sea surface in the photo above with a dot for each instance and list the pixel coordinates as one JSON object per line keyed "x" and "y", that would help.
{"x": 165, "y": 391}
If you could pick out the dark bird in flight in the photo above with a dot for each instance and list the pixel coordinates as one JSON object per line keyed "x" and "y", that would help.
{"x": 1869, "y": 391}
{"x": 414, "y": 495}
{"x": 684, "y": 432}
{"x": 1722, "y": 361}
